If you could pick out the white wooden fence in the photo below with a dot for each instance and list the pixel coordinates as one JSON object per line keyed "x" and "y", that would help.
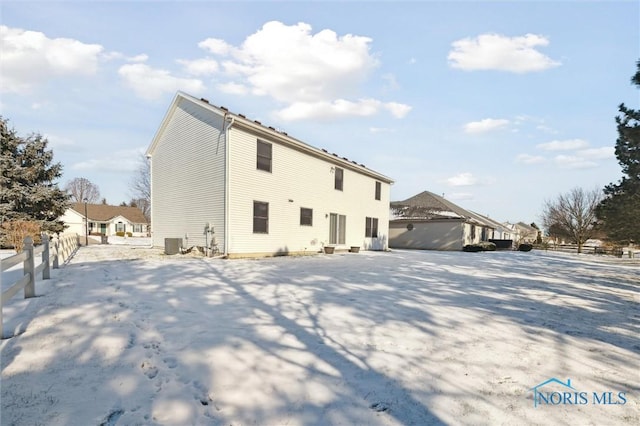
{"x": 54, "y": 252}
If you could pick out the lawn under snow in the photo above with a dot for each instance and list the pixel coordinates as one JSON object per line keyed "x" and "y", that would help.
{"x": 125, "y": 335}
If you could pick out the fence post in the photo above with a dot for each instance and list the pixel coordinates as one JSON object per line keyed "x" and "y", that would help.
{"x": 57, "y": 251}
{"x": 29, "y": 266}
{"x": 46, "y": 272}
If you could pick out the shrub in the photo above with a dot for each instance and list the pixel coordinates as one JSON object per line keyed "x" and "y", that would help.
{"x": 481, "y": 246}
{"x": 15, "y": 231}
{"x": 120, "y": 234}
{"x": 525, "y": 247}
{"x": 129, "y": 234}
{"x": 487, "y": 246}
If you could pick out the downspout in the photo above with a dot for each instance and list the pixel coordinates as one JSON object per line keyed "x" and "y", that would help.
{"x": 227, "y": 120}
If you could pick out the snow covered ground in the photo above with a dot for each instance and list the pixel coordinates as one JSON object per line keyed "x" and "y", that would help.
{"x": 124, "y": 335}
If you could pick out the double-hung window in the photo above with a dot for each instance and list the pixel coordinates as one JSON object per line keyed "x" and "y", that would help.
{"x": 371, "y": 227}
{"x": 339, "y": 178}
{"x": 306, "y": 216}
{"x": 260, "y": 217}
{"x": 263, "y": 159}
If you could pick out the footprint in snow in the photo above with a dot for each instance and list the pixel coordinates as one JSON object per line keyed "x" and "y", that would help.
{"x": 379, "y": 407}
{"x": 149, "y": 369}
{"x": 171, "y": 362}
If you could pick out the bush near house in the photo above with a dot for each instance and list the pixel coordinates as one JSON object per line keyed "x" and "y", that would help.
{"x": 481, "y": 246}
{"x": 525, "y": 247}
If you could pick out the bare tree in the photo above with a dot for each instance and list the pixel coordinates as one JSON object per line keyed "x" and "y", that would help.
{"x": 82, "y": 189}
{"x": 573, "y": 214}
{"x": 140, "y": 186}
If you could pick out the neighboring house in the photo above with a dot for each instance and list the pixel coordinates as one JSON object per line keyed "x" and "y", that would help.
{"x": 105, "y": 219}
{"x": 429, "y": 221}
{"x": 235, "y": 187}
{"x": 500, "y": 231}
{"x": 522, "y": 233}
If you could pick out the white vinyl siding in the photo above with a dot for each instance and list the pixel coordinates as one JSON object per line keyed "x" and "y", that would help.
{"x": 191, "y": 188}
{"x": 187, "y": 177}
{"x": 298, "y": 180}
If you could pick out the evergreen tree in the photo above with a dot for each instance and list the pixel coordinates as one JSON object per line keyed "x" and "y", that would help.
{"x": 27, "y": 188}
{"x": 619, "y": 212}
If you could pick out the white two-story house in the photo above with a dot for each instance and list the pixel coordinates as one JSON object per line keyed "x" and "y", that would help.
{"x": 235, "y": 187}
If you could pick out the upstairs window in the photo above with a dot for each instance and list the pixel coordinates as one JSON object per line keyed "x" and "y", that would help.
{"x": 339, "y": 177}
{"x": 260, "y": 217}
{"x": 263, "y": 160}
{"x": 378, "y": 190}
{"x": 371, "y": 227}
{"x": 306, "y": 216}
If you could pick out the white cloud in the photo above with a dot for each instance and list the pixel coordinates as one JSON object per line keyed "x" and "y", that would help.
{"x": 529, "y": 159}
{"x": 216, "y": 46}
{"x": 120, "y": 161}
{"x": 203, "y": 66}
{"x": 486, "y": 125}
{"x": 574, "y": 162}
{"x": 30, "y": 58}
{"x": 291, "y": 64}
{"x": 339, "y": 108}
{"x": 498, "y": 52}
{"x": 602, "y": 153}
{"x": 314, "y": 75}
{"x": 138, "y": 58}
{"x": 110, "y": 56}
{"x": 396, "y": 109}
{"x": 151, "y": 84}
{"x": 462, "y": 179}
{"x": 563, "y": 145}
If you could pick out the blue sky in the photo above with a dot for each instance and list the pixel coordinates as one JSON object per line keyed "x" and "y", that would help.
{"x": 497, "y": 105}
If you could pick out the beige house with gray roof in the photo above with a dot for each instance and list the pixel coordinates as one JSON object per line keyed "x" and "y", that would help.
{"x": 104, "y": 219}
{"x": 430, "y": 222}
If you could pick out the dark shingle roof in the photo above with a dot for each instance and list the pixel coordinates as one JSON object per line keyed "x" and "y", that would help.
{"x": 434, "y": 204}
{"x": 427, "y": 205}
{"x": 104, "y": 212}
